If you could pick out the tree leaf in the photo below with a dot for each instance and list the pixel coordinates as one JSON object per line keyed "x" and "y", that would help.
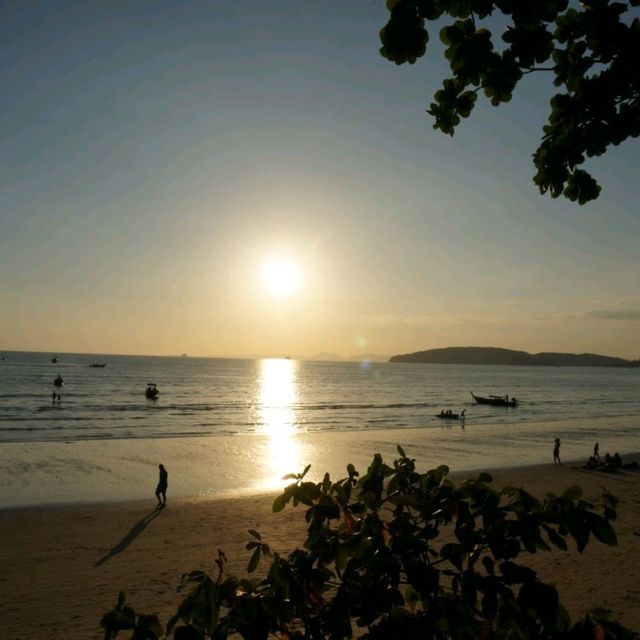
{"x": 572, "y": 493}
{"x": 254, "y": 560}
{"x": 279, "y": 503}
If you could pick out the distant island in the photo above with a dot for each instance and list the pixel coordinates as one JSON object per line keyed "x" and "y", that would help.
{"x": 495, "y": 355}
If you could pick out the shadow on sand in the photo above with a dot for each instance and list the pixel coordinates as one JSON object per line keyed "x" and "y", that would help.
{"x": 132, "y": 534}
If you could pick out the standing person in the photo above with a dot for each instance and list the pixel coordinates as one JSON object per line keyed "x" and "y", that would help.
{"x": 596, "y": 452}
{"x": 556, "y": 451}
{"x": 161, "y": 489}
{"x": 53, "y": 397}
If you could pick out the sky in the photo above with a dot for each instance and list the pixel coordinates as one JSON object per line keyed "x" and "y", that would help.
{"x": 160, "y": 159}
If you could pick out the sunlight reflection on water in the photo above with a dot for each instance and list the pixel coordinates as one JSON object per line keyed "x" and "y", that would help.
{"x": 278, "y": 396}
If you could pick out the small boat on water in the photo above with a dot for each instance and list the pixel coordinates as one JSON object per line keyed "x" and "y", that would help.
{"x": 151, "y": 391}
{"x": 98, "y": 364}
{"x": 58, "y": 381}
{"x": 449, "y": 415}
{"x": 496, "y": 401}
{"x": 54, "y": 359}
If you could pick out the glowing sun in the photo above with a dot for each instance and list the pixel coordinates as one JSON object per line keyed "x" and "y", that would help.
{"x": 281, "y": 277}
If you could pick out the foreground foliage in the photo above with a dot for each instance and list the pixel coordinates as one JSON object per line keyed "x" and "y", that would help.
{"x": 592, "y": 49}
{"x": 397, "y": 554}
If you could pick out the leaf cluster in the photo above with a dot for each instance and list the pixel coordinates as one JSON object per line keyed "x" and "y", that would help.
{"x": 591, "y": 51}
{"x": 396, "y": 553}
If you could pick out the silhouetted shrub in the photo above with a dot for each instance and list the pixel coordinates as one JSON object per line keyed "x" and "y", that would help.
{"x": 397, "y": 554}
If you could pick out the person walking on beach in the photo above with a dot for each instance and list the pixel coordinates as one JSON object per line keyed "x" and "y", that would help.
{"x": 596, "y": 452}
{"x": 556, "y": 452}
{"x": 161, "y": 489}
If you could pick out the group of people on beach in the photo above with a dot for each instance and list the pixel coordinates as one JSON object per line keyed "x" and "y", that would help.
{"x": 609, "y": 463}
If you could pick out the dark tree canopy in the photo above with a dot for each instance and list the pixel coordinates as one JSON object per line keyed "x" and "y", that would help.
{"x": 593, "y": 50}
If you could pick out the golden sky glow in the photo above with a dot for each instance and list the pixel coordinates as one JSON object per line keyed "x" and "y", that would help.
{"x": 220, "y": 182}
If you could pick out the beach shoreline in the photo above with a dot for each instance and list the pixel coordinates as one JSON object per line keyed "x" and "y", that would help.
{"x": 63, "y": 566}
{"x": 181, "y": 500}
{"x": 120, "y": 470}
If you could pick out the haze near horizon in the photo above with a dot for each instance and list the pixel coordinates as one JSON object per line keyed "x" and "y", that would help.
{"x": 254, "y": 178}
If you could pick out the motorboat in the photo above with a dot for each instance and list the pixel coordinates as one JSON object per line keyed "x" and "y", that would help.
{"x": 98, "y": 364}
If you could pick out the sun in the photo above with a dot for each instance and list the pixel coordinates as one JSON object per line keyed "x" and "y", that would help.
{"x": 281, "y": 277}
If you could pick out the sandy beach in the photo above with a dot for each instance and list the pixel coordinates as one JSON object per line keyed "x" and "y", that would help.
{"x": 61, "y": 567}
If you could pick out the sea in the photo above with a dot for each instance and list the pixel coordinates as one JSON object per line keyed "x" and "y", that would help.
{"x": 218, "y": 396}
{"x": 225, "y": 427}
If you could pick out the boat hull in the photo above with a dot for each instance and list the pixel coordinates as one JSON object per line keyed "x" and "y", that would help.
{"x": 495, "y": 402}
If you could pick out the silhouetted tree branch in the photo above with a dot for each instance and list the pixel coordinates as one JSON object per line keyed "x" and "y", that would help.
{"x": 595, "y": 57}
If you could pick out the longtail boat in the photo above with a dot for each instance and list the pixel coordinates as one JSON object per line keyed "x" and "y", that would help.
{"x": 496, "y": 401}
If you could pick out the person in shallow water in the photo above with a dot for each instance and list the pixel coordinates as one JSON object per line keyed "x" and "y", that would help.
{"x": 161, "y": 489}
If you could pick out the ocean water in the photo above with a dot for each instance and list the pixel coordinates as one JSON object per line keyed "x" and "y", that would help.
{"x": 228, "y": 427}
{"x": 212, "y": 396}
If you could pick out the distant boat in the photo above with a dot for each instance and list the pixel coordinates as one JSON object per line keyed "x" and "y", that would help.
{"x": 54, "y": 359}
{"x": 58, "y": 381}
{"x": 449, "y": 415}
{"x": 98, "y": 364}
{"x": 151, "y": 391}
{"x": 496, "y": 401}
